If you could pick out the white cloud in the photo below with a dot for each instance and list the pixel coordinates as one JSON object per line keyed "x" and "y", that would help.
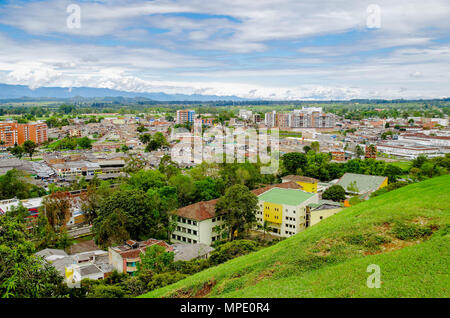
{"x": 235, "y": 48}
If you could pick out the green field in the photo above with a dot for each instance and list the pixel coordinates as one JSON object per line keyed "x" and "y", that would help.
{"x": 405, "y": 232}
{"x": 405, "y": 165}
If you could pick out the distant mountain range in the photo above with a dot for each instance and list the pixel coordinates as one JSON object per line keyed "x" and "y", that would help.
{"x": 22, "y": 91}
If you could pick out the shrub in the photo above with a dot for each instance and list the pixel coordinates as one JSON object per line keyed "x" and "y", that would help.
{"x": 405, "y": 231}
{"x": 231, "y": 250}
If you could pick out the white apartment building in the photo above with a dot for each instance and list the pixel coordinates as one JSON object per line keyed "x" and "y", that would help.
{"x": 196, "y": 223}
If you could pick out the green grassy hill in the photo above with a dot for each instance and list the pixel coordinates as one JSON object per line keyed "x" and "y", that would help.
{"x": 405, "y": 232}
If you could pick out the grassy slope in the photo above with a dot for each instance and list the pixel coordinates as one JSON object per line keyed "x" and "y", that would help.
{"x": 330, "y": 260}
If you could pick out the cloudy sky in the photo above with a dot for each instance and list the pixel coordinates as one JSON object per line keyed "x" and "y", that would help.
{"x": 271, "y": 49}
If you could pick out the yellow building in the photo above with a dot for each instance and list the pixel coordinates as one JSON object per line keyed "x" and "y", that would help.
{"x": 307, "y": 184}
{"x": 284, "y": 210}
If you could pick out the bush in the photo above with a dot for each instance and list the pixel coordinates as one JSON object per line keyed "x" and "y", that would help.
{"x": 334, "y": 193}
{"x": 231, "y": 250}
{"x": 405, "y": 231}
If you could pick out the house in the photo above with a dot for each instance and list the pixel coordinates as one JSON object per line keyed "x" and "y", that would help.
{"x": 197, "y": 223}
{"x": 322, "y": 210}
{"x": 284, "y": 210}
{"x": 307, "y": 184}
{"x": 76, "y": 267}
{"x": 124, "y": 258}
{"x": 354, "y": 183}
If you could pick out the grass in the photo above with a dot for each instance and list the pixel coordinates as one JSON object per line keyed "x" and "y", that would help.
{"x": 404, "y": 165}
{"x": 405, "y": 232}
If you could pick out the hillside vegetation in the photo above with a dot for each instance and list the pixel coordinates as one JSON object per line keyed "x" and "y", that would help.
{"x": 405, "y": 232}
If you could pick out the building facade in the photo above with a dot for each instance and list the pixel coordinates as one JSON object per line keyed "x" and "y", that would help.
{"x": 12, "y": 133}
{"x": 284, "y": 211}
{"x": 185, "y": 116}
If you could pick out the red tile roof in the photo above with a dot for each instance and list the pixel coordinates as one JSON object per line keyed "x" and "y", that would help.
{"x": 135, "y": 252}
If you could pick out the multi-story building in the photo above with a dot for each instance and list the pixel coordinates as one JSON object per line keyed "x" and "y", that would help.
{"x": 185, "y": 116}
{"x": 8, "y": 134}
{"x": 198, "y": 222}
{"x": 284, "y": 210}
{"x": 12, "y": 133}
{"x": 270, "y": 119}
{"x": 371, "y": 152}
{"x": 311, "y": 117}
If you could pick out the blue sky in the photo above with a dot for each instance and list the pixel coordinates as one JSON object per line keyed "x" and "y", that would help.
{"x": 285, "y": 49}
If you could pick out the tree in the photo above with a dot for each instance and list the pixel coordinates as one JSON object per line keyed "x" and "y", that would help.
{"x": 359, "y": 151}
{"x": 352, "y": 187}
{"x": 315, "y": 146}
{"x": 132, "y": 208}
{"x": 392, "y": 172}
{"x": 17, "y": 151}
{"x": 112, "y": 229}
{"x": 156, "y": 259}
{"x": 57, "y": 209}
{"x": 29, "y": 147}
{"x": 265, "y": 227}
{"x": 185, "y": 188}
{"x": 85, "y": 143}
{"x": 22, "y": 274}
{"x": 334, "y": 193}
{"x": 13, "y": 185}
{"x": 238, "y": 207}
{"x": 293, "y": 161}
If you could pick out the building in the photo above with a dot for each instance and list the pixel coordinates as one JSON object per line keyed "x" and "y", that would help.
{"x": 354, "y": 183}
{"x": 270, "y": 119}
{"x": 187, "y": 252}
{"x": 185, "y": 116}
{"x": 307, "y": 184}
{"x": 245, "y": 114}
{"x": 338, "y": 155}
{"x": 74, "y": 268}
{"x": 197, "y": 223}
{"x": 321, "y": 210}
{"x": 124, "y": 258}
{"x": 371, "y": 152}
{"x": 8, "y": 134}
{"x": 408, "y": 151}
{"x": 284, "y": 210}
{"x": 12, "y": 133}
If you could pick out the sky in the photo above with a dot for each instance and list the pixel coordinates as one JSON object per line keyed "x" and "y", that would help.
{"x": 259, "y": 49}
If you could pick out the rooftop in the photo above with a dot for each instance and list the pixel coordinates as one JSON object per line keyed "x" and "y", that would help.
{"x": 363, "y": 182}
{"x": 285, "y": 196}
{"x": 300, "y": 179}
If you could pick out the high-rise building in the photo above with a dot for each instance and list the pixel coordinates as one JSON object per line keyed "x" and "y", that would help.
{"x": 310, "y": 117}
{"x": 12, "y": 133}
{"x": 8, "y": 134}
{"x": 270, "y": 119}
{"x": 185, "y": 116}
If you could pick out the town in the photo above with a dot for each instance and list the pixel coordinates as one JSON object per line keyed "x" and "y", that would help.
{"x": 98, "y": 190}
